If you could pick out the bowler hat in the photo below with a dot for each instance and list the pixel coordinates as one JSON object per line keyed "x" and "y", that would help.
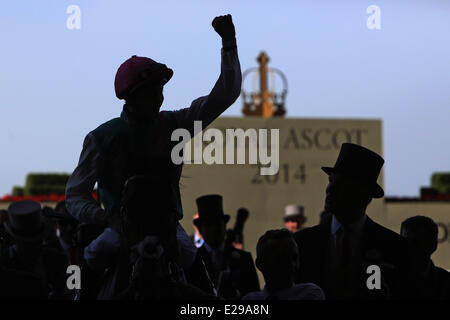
{"x": 359, "y": 163}
{"x": 137, "y": 71}
{"x": 210, "y": 208}
{"x": 24, "y": 221}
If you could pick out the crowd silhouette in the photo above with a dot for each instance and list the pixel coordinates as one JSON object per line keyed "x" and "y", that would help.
{"x": 131, "y": 246}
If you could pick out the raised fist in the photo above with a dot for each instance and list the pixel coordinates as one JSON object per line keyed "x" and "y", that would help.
{"x": 224, "y": 27}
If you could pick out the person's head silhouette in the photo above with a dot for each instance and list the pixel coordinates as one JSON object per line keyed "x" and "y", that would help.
{"x": 26, "y": 229}
{"x": 352, "y": 182}
{"x": 277, "y": 258}
{"x": 422, "y": 233}
{"x": 140, "y": 81}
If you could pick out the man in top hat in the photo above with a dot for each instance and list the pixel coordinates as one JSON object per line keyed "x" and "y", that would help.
{"x": 231, "y": 270}
{"x": 335, "y": 255}
{"x": 139, "y": 141}
{"x": 16, "y": 284}
{"x": 27, "y": 254}
{"x": 294, "y": 217}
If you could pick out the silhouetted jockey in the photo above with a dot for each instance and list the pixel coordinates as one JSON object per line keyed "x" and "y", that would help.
{"x": 139, "y": 141}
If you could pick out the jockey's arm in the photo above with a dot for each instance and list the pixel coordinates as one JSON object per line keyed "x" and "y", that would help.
{"x": 79, "y": 201}
{"x": 224, "y": 93}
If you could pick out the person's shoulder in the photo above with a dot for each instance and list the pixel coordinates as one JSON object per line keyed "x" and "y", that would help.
{"x": 107, "y": 132}
{"x": 308, "y": 291}
{"x": 385, "y": 233}
{"x": 255, "y": 295}
{"x": 167, "y": 119}
{"x": 307, "y": 286}
{"x": 441, "y": 272}
{"x": 241, "y": 252}
{"x": 311, "y": 232}
{"x": 244, "y": 257}
{"x": 390, "y": 243}
{"x": 166, "y": 114}
{"x": 110, "y": 124}
{"x": 109, "y": 128}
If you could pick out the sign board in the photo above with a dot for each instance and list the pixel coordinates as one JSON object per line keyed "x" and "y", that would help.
{"x": 305, "y": 145}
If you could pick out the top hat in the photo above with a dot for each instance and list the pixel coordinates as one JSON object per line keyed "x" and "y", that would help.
{"x": 137, "y": 71}
{"x": 210, "y": 209}
{"x": 359, "y": 163}
{"x": 293, "y": 211}
{"x": 24, "y": 221}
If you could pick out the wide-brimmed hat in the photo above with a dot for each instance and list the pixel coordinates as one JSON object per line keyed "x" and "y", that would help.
{"x": 25, "y": 221}
{"x": 210, "y": 208}
{"x": 137, "y": 71}
{"x": 294, "y": 212}
{"x": 359, "y": 163}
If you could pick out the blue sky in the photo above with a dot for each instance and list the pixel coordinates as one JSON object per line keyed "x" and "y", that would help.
{"x": 57, "y": 84}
